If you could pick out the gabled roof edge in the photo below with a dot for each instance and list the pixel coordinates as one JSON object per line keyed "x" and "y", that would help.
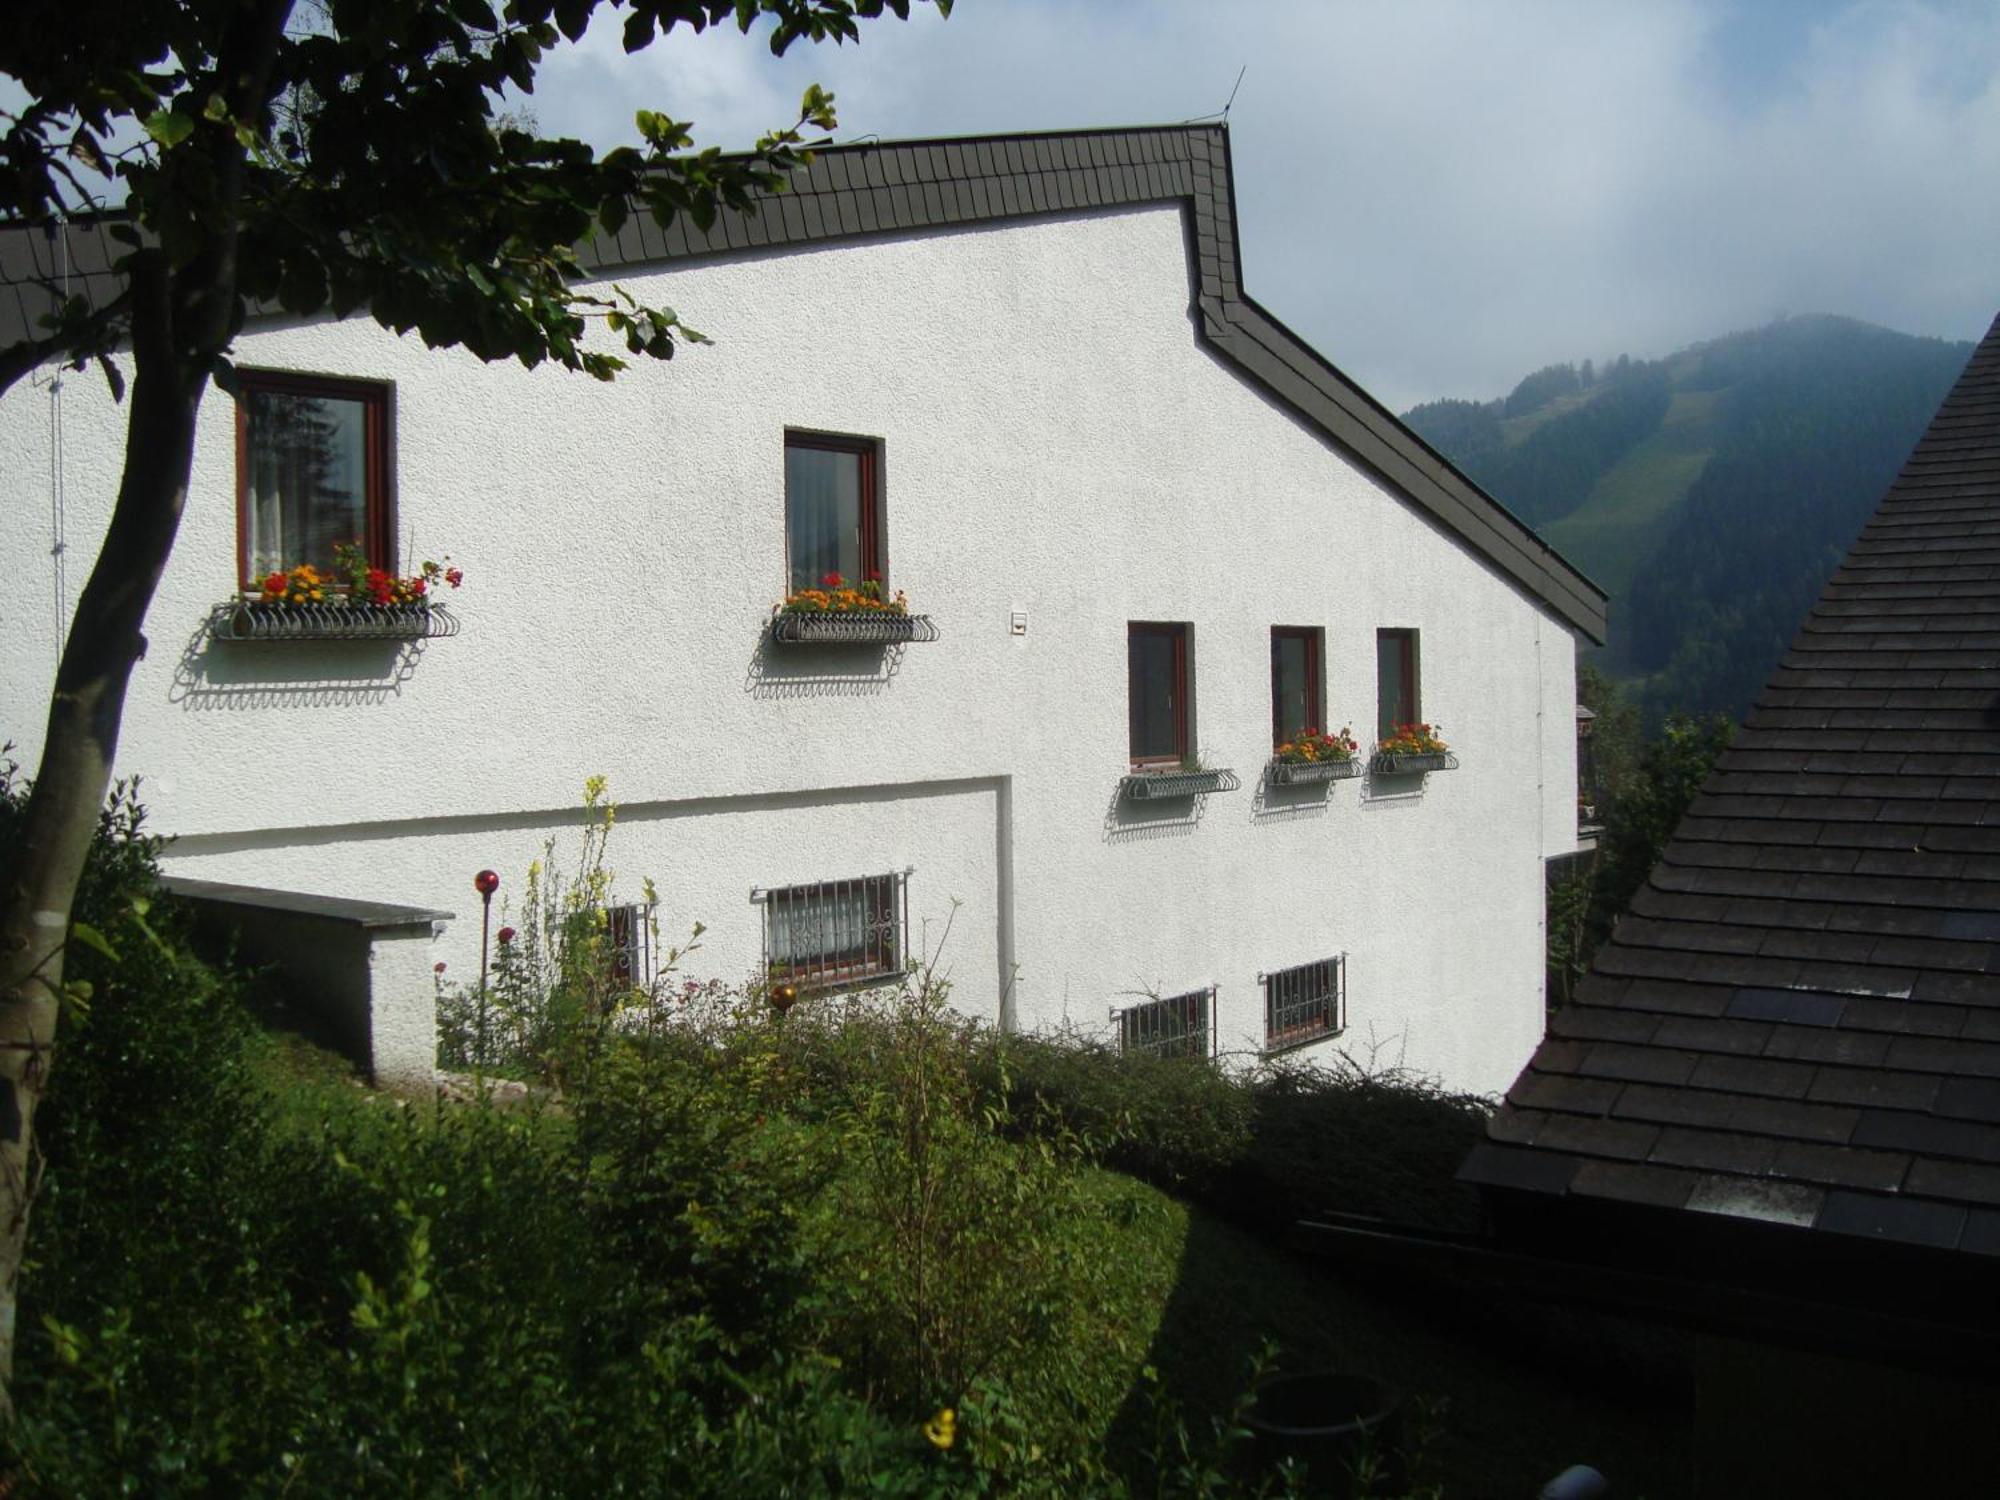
{"x": 849, "y": 191}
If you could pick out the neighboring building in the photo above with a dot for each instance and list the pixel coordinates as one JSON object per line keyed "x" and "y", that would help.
{"x": 1016, "y": 378}
{"x": 1776, "y": 1101}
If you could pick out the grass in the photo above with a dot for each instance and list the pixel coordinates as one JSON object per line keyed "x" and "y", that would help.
{"x": 1613, "y": 532}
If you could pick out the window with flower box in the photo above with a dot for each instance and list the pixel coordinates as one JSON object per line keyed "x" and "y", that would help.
{"x": 836, "y": 933}
{"x": 313, "y": 471}
{"x": 1175, "y": 1026}
{"x": 833, "y": 510}
{"x": 1159, "y": 710}
{"x": 1397, "y": 699}
{"x": 1296, "y": 678}
{"x": 1305, "y": 1002}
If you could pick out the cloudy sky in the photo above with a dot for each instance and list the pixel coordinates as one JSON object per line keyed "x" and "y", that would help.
{"x": 1444, "y": 194}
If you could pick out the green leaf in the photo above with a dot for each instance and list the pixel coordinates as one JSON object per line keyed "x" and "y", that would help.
{"x": 168, "y": 128}
{"x": 90, "y": 937}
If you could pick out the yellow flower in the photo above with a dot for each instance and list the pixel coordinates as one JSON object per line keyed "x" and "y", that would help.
{"x": 942, "y": 1429}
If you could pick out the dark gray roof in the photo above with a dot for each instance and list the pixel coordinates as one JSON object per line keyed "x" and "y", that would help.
{"x": 910, "y": 185}
{"x": 1799, "y": 1020}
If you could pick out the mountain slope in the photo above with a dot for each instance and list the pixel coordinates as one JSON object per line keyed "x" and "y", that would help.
{"x": 1710, "y": 492}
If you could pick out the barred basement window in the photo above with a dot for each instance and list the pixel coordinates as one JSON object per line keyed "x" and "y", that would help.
{"x": 836, "y": 933}
{"x": 1306, "y": 1002}
{"x": 1178, "y": 1026}
{"x": 628, "y": 942}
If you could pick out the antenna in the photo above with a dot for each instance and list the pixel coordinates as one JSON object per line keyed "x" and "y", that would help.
{"x": 1223, "y": 113}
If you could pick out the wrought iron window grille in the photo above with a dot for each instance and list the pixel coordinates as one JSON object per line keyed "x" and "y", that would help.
{"x": 837, "y": 934}
{"x": 252, "y": 620}
{"x": 850, "y": 628}
{"x": 1309, "y": 772}
{"x": 1176, "y": 1026}
{"x": 1385, "y": 764}
{"x": 629, "y": 945}
{"x": 1157, "y": 786}
{"x": 1305, "y": 1003}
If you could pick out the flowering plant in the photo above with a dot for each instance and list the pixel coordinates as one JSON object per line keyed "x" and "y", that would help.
{"x": 835, "y": 595}
{"x": 1313, "y": 746}
{"x": 1413, "y": 739}
{"x": 354, "y": 580}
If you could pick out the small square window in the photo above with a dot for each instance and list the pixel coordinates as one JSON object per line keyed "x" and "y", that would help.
{"x": 1305, "y": 1002}
{"x": 1296, "y": 677}
{"x": 1178, "y": 1026}
{"x": 1397, "y": 699}
{"x": 836, "y": 933}
{"x": 1158, "y": 700}
{"x": 833, "y": 510}
{"x": 312, "y": 470}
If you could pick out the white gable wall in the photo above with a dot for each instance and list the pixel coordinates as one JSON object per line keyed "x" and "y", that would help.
{"x": 1054, "y": 440}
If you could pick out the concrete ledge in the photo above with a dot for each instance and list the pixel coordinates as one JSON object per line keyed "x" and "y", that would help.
{"x": 362, "y": 969}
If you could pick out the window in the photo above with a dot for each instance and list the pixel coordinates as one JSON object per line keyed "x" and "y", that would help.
{"x": 1157, "y": 693}
{"x": 312, "y": 469}
{"x": 628, "y": 941}
{"x": 1295, "y": 682}
{"x": 833, "y": 510}
{"x": 839, "y": 932}
{"x": 1306, "y": 1002}
{"x": 1396, "y": 697}
{"x": 1178, "y": 1026}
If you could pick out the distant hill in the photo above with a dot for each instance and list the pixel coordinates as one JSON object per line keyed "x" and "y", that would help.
{"x": 1710, "y": 493}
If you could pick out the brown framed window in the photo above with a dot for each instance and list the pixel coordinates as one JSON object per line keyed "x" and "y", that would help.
{"x": 313, "y": 468}
{"x": 1305, "y": 1002}
{"x": 1177, "y": 1026}
{"x": 1296, "y": 675}
{"x": 1397, "y": 699}
{"x": 833, "y": 510}
{"x": 1157, "y": 696}
{"x": 836, "y": 932}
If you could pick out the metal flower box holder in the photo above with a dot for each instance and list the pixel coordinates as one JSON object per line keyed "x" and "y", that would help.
{"x": 253, "y": 620}
{"x": 1384, "y": 764}
{"x": 1312, "y": 772}
{"x": 845, "y": 628}
{"x": 1160, "y": 786}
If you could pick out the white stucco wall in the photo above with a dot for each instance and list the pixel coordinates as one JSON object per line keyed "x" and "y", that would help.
{"x": 1056, "y": 441}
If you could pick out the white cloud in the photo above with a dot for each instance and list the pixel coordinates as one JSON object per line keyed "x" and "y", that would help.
{"x": 1444, "y": 195}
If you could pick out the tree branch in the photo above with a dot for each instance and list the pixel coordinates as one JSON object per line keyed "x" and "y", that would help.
{"x": 75, "y": 344}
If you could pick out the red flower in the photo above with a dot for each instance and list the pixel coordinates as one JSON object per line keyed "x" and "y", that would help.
{"x": 274, "y": 583}
{"x": 506, "y": 934}
{"x": 438, "y": 967}
{"x": 830, "y": 581}
{"x": 416, "y": 586}
{"x": 454, "y": 577}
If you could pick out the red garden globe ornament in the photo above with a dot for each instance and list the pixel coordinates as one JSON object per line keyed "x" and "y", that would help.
{"x": 486, "y": 882}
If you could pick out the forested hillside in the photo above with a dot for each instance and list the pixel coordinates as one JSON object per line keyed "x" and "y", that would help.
{"x": 1710, "y": 492}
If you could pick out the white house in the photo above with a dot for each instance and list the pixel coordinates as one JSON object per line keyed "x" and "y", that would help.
{"x": 1017, "y": 378}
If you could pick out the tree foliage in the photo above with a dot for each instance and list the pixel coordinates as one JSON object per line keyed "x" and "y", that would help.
{"x": 354, "y": 160}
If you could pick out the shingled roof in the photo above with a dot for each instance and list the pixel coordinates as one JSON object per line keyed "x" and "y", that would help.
{"x": 902, "y": 186}
{"x": 1799, "y": 1020}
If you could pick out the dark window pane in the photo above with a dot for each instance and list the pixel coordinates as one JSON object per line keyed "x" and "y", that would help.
{"x": 1291, "y": 685}
{"x": 823, "y": 505}
{"x": 307, "y": 486}
{"x": 1395, "y": 678}
{"x": 1155, "y": 688}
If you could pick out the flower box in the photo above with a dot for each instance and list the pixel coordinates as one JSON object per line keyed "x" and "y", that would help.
{"x": 1159, "y": 786}
{"x": 337, "y": 620}
{"x": 858, "y": 628}
{"x": 1408, "y": 763}
{"x": 1311, "y": 772}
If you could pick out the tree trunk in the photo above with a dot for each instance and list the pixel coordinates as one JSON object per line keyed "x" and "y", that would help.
{"x": 80, "y": 746}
